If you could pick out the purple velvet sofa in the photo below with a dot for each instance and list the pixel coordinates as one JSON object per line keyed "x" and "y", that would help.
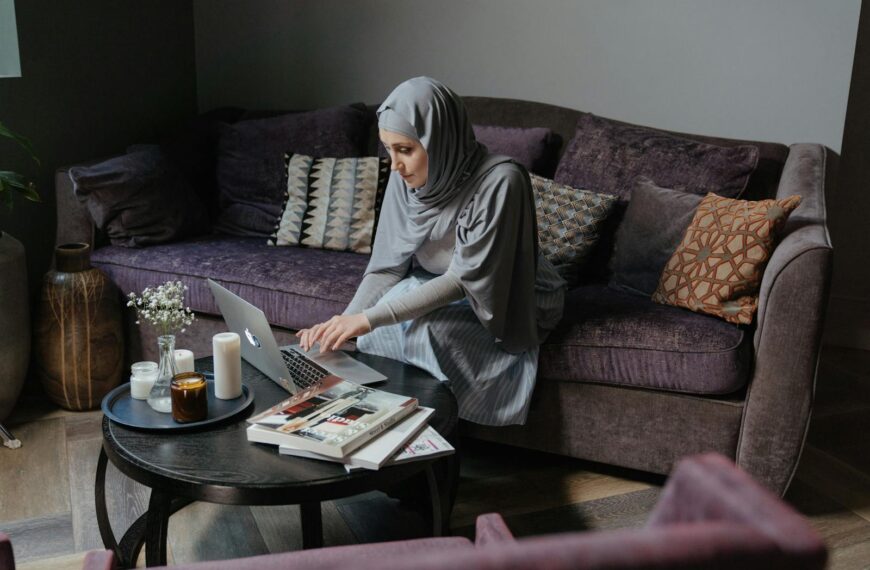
{"x": 710, "y": 515}
{"x": 622, "y": 380}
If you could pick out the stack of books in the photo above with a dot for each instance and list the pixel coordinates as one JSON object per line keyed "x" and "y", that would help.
{"x": 345, "y": 422}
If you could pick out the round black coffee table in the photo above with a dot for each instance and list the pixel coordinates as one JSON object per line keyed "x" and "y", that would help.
{"x": 219, "y": 465}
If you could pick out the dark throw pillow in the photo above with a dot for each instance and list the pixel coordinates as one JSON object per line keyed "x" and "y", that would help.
{"x": 331, "y": 203}
{"x": 535, "y": 148}
{"x": 251, "y": 158}
{"x": 653, "y": 226}
{"x": 606, "y": 156}
{"x": 569, "y": 224}
{"x": 140, "y": 198}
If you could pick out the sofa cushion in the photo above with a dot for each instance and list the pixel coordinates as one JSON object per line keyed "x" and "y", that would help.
{"x": 612, "y": 337}
{"x": 140, "y": 198}
{"x": 295, "y": 287}
{"x": 535, "y": 148}
{"x": 331, "y": 203}
{"x": 655, "y": 221}
{"x": 569, "y": 223}
{"x": 250, "y": 161}
{"x": 718, "y": 266}
{"x": 606, "y": 156}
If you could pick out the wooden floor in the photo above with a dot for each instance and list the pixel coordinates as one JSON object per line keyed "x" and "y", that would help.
{"x": 47, "y": 504}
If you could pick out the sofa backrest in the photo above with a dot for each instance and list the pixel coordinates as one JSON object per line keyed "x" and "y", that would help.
{"x": 517, "y": 113}
{"x": 503, "y": 112}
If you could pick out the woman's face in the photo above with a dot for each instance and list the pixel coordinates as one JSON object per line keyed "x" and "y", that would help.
{"x": 408, "y": 157}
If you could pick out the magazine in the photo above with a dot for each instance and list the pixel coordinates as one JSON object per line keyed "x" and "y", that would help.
{"x": 333, "y": 418}
{"x": 378, "y": 451}
{"x": 428, "y": 444}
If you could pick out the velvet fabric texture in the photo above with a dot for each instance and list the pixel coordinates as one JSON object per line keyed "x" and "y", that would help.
{"x": 618, "y": 338}
{"x": 711, "y": 488}
{"x": 140, "y": 199}
{"x": 250, "y": 161}
{"x": 606, "y": 156}
{"x": 535, "y": 148}
{"x": 295, "y": 287}
{"x": 653, "y": 226}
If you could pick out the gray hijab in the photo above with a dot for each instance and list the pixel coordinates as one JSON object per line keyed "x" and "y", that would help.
{"x": 487, "y": 198}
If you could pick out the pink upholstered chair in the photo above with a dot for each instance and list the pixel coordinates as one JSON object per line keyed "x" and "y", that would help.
{"x": 710, "y": 515}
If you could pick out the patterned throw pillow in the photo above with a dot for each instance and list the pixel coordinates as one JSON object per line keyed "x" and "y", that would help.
{"x": 569, "y": 223}
{"x": 718, "y": 266}
{"x": 331, "y": 203}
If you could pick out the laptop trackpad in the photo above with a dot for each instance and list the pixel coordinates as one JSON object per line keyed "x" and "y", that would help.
{"x": 344, "y": 366}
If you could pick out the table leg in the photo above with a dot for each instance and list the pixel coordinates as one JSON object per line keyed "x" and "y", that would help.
{"x": 435, "y": 497}
{"x": 451, "y": 484}
{"x": 109, "y": 541}
{"x": 443, "y": 495}
{"x": 312, "y": 525}
{"x": 156, "y": 526}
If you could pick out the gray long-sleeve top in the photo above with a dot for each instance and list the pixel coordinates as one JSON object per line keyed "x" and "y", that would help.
{"x": 434, "y": 257}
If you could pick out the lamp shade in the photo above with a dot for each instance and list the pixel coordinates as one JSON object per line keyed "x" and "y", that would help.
{"x": 10, "y": 64}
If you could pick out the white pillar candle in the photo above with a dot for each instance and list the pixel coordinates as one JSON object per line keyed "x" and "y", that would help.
{"x": 183, "y": 360}
{"x": 143, "y": 376}
{"x": 227, "y": 355}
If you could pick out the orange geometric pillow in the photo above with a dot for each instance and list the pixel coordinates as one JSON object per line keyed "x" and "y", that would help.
{"x": 718, "y": 266}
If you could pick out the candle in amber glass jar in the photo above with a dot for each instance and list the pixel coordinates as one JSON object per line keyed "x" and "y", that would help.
{"x": 189, "y": 397}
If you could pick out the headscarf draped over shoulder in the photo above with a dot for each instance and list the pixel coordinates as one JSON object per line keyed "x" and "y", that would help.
{"x": 487, "y": 196}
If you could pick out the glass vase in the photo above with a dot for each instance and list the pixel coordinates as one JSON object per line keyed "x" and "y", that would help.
{"x": 160, "y": 397}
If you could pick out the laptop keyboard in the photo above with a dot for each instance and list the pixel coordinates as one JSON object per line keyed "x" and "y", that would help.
{"x": 303, "y": 371}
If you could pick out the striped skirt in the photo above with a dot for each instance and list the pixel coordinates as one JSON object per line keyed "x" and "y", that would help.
{"x": 492, "y": 387}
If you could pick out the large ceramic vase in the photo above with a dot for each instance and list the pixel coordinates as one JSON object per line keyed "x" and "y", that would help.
{"x": 78, "y": 339}
{"x": 14, "y": 322}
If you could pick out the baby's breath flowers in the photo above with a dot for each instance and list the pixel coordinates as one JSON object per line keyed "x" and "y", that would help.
{"x": 163, "y": 307}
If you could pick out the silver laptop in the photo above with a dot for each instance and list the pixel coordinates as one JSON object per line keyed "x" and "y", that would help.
{"x": 289, "y": 366}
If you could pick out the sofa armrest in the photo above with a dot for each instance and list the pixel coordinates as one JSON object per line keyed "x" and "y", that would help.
{"x": 73, "y": 221}
{"x": 791, "y": 313}
{"x": 491, "y": 528}
{"x": 710, "y": 488}
{"x": 99, "y": 560}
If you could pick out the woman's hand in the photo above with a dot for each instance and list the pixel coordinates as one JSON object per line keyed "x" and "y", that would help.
{"x": 334, "y": 332}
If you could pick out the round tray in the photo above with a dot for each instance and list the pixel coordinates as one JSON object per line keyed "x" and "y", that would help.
{"x": 120, "y": 407}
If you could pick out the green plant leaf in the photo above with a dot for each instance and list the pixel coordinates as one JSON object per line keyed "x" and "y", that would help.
{"x": 22, "y": 141}
{"x": 13, "y": 181}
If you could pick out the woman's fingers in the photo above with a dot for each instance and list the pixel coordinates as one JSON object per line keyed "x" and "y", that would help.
{"x": 323, "y": 330}
{"x": 330, "y": 334}
{"x": 328, "y": 342}
{"x": 342, "y": 339}
{"x": 304, "y": 341}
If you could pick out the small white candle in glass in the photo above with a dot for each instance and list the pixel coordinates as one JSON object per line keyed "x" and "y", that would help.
{"x": 142, "y": 378}
{"x": 183, "y": 360}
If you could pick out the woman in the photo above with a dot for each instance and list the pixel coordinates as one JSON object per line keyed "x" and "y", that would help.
{"x": 479, "y": 300}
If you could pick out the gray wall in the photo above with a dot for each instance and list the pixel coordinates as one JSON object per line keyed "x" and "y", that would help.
{"x": 97, "y": 75}
{"x": 773, "y": 70}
